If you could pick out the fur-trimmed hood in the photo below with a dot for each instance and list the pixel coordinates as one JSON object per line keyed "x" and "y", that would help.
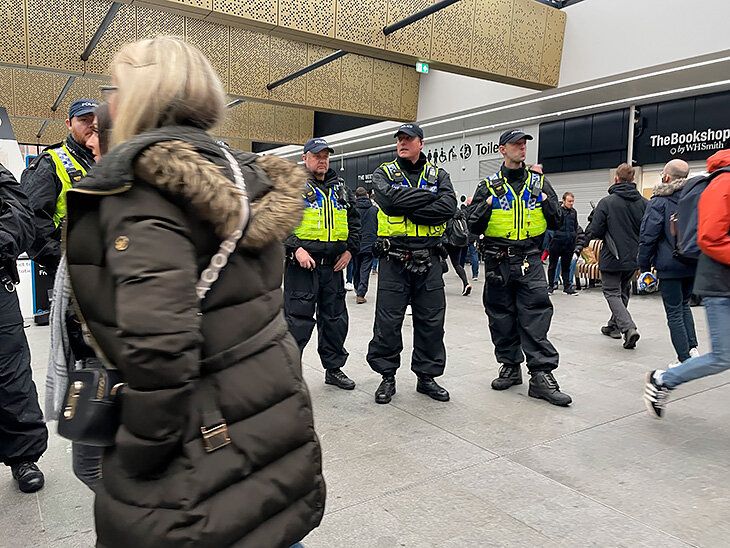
{"x": 188, "y": 164}
{"x": 667, "y": 189}
{"x": 176, "y": 168}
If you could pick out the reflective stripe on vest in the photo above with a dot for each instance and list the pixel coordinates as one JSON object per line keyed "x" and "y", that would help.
{"x": 516, "y": 219}
{"x": 398, "y": 225}
{"x": 69, "y": 172}
{"x": 325, "y": 218}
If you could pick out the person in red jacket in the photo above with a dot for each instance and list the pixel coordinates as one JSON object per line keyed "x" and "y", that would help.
{"x": 712, "y": 282}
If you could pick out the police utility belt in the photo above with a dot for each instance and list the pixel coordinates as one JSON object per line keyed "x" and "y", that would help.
{"x": 417, "y": 261}
{"x": 499, "y": 258}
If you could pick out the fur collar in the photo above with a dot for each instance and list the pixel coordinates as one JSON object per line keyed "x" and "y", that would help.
{"x": 178, "y": 169}
{"x": 667, "y": 189}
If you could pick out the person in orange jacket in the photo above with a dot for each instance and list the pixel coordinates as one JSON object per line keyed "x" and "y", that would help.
{"x": 712, "y": 282}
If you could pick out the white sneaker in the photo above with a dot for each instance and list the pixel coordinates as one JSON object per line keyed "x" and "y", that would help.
{"x": 409, "y": 311}
{"x": 673, "y": 364}
{"x": 349, "y": 286}
{"x": 694, "y": 353}
{"x": 475, "y": 278}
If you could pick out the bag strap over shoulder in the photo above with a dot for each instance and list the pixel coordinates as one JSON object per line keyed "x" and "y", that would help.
{"x": 214, "y": 429}
{"x": 228, "y": 246}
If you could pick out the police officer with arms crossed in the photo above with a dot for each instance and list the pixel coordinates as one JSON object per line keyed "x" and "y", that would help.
{"x": 23, "y": 434}
{"x": 317, "y": 252}
{"x": 416, "y": 199}
{"x": 513, "y": 209}
{"x": 51, "y": 174}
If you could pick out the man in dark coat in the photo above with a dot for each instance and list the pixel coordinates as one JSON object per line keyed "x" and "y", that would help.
{"x": 564, "y": 246}
{"x": 49, "y": 177}
{"x": 617, "y": 221}
{"x": 23, "y": 434}
{"x": 416, "y": 199}
{"x": 712, "y": 282}
{"x": 656, "y": 248}
{"x": 363, "y": 260}
{"x": 318, "y": 251}
{"x": 512, "y": 209}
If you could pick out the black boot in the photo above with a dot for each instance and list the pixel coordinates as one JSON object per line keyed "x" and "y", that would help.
{"x": 544, "y": 386}
{"x": 385, "y": 391}
{"x": 428, "y": 386}
{"x": 337, "y": 378}
{"x": 630, "y": 338}
{"x": 509, "y": 375}
{"x": 610, "y": 331}
{"x": 30, "y": 479}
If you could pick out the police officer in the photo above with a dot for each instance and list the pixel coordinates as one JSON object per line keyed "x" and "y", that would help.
{"x": 23, "y": 434}
{"x": 512, "y": 209}
{"x": 416, "y": 199}
{"x": 51, "y": 174}
{"x": 317, "y": 252}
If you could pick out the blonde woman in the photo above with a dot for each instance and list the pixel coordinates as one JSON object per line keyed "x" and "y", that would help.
{"x": 216, "y": 445}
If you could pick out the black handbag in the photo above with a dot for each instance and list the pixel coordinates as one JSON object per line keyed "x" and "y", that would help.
{"x": 91, "y": 410}
{"x": 90, "y": 413}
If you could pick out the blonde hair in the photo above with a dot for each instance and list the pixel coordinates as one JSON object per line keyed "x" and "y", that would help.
{"x": 164, "y": 81}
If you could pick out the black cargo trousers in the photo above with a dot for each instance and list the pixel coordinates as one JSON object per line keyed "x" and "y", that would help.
{"x": 321, "y": 293}
{"x": 397, "y": 288}
{"x": 519, "y": 310}
{"x": 23, "y": 434}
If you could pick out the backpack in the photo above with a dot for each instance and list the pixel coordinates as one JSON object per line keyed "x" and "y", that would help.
{"x": 457, "y": 231}
{"x": 683, "y": 223}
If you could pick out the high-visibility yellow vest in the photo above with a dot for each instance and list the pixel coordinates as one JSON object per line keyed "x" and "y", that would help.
{"x": 325, "y": 216}
{"x": 516, "y": 217}
{"x": 69, "y": 171}
{"x": 397, "y": 225}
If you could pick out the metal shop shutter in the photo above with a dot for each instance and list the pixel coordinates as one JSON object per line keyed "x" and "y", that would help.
{"x": 588, "y": 186}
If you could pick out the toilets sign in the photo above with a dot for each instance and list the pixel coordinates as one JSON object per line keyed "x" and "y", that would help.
{"x": 695, "y": 141}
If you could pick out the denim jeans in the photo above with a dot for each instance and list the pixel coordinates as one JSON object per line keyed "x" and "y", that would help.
{"x": 675, "y": 295}
{"x": 471, "y": 252}
{"x": 297, "y": 545}
{"x": 571, "y": 272}
{"x": 715, "y": 361}
{"x": 87, "y": 463}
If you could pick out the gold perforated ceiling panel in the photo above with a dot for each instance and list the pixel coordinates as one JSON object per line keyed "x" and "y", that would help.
{"x": 50, "y": 44}
{"x": 314, "y": 16}
{"x": 6, "y": 89}
{"x": 246, "y": 60}
{"x": 516, "y": 32}
{"x": 12, "y": 36}
{"x": 415, "y": 39}
{"x": 212, "y": 40}
{"x": 34, "y": 92}
{"x": 122, "y": 30}
{"x": 454, "y": 28}
{"x": 323, "y": 84}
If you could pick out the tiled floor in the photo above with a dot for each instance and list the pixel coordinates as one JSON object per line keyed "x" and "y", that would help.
{"x": 486, "y": 468}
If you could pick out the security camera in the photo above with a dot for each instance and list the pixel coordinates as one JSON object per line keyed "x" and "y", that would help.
{"x": 463, "y": 168}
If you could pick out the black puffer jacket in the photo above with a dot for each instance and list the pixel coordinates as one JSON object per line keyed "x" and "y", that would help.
{"x": 141, "y": 228}
{"x": 617, "y": 221}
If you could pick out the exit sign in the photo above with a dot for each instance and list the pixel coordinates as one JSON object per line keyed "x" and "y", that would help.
{"x": 422, "y": 67}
